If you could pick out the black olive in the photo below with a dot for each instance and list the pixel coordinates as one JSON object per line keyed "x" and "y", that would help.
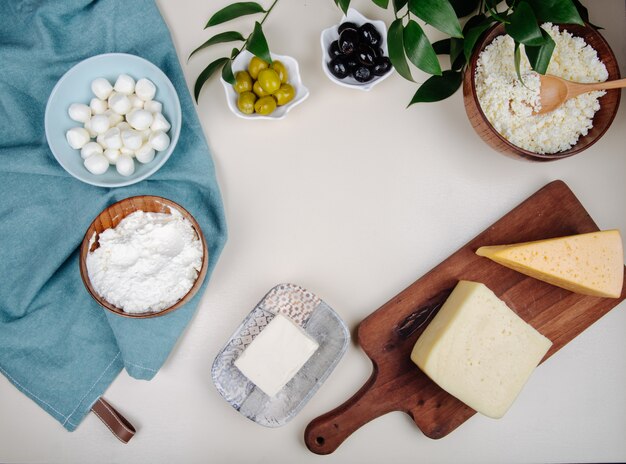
{"x": 362, "y": 74}
{"x": 333, "y": 50}
{"x": 343, "y": 26}
{"x": 352, "y": 61}
{"x": 338, "y": 67}
{"x": 369, "y": 35}
{"x": 382, "y": 65}
{"x": 348, "y": 41}
{"x": 366, "y": 55}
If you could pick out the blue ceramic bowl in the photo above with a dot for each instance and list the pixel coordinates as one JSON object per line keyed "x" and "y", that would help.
{"x": 75, "y": 87}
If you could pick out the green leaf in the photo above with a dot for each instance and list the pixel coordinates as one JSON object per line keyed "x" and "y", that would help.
{"x": 472, "y": 36}
{"x": 234, "y": 11}
{"x": 437, "y": 13}
{"x": 438, "y": 88}
{"x": 457, "y": 57}
{"x": 584, "y": 14}
{"x": 230, "y": 36}
{"x": 419, "y": 50}
{"x": 523, "y": 26}
{"x": 399, "y": 4}
{"x": 227, "y": 72}
{"x": 556, "y": 11}
{"x": 539, "y": 57}
{"x": 517, "y": 58}
{"x": 204, "y": 75}
{"x": 395, "y": 44}
{"x": 382, "y": 3}
{"x": 464, "y": 8}
{"x": 257, "y": 44}
{"x": 344, "y": 5}
{"x": 442, "y": 47}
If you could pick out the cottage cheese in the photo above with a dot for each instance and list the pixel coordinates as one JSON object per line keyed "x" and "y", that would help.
{"x": 509, "y": 105}
{"x": 147, "y": 263}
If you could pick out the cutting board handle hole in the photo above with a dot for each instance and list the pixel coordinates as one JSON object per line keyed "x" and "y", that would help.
{"x": 320, "y": 441}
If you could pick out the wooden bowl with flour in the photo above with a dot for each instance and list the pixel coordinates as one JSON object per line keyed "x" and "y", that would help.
{"x": 110, "y": 218}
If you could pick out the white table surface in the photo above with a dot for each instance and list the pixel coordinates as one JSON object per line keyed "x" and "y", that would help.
{"x": 354, "y": 197}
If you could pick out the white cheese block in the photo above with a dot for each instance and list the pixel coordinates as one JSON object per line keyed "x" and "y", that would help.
{"x": 478, "y": 350}
{"x": 276, "y": 355}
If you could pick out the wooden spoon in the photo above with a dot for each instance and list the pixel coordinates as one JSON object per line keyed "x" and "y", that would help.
{"x": 555, "y": 91}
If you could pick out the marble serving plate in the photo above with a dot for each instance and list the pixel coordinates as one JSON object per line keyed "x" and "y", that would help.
{"x": 317, "y": 319}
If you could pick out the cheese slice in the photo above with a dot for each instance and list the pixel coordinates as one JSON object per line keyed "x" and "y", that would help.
{"x": 591, "y": 264}
{"x": 478, "y": 350}
{"x": 276, "y": 355}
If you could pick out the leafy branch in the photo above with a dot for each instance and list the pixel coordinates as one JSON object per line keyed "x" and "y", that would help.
{"x": 255, "y": 43}
{"x": 408, "y": 44}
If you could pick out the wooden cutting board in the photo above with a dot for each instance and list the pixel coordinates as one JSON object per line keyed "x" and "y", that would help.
{"x": 387, "y": 336}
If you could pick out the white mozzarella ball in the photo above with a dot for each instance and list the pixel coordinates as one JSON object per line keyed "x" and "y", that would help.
{"x": 125, "y": 165}
{"x": 101, "y": 88}
{"x": 77, "y": 137}
{"x": 79, "y": 112}
{"x": 145, "y": 135}
{"x": 112, "y": 155}
{"x": 160, "y": 123}
{"x": 127, "y": 152}
{"x": 99, "y": 123}
{"x": 139, "y": 119}
{"x": 114, "y": 118}
{"x": 131, "y": 139}
{"x": 91, "y": 148}
{"x": 122, "y": 126}
{"x": 89, "y": 130}
{"x": 113, "y": 138}
{"x": 135, "y": 101}
{"x": 96, "y": 164}
{"x": 159, "y": 140}
{"x": 153, "y": 106}
{"x": 98, "y": 106}
{"x": 100, "y": 140}
{"x": 145, "y": 89}
{"x": 125, "y": 84}
{"x": 145, "y": 153}
{"x": 120, "y": 103}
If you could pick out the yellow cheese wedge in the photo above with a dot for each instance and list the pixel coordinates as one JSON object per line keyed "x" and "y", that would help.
{"x": 591, "y": 264}
{"x": 478, "y": 350}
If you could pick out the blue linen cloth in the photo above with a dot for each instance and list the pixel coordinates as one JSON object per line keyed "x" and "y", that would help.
{"x": 56, "y": 344}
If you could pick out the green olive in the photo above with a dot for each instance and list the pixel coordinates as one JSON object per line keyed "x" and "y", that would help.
{"x": 285, "y": 94}
{"x": 258, "y": 90}
{"x": 265, "y": 105}
{"x": 269, "y": 80}
{"x": 243, "y": 82}
{"x": 280, "y": 68}
{"x": 256, "y": 65}
{"x": 245, "y": 102}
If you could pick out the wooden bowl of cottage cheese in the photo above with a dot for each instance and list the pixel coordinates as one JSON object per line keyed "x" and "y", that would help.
{"x": 500, "y": 109}
{"x": 142, "y": 257}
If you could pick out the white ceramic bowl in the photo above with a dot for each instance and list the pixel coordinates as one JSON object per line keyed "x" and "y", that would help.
{"x": 75, "y": 87}
{"x": 330, "y": 35}
{"x": 241, "y": 64}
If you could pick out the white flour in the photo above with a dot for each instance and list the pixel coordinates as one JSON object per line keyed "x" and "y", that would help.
{"x": 147, "y": 263}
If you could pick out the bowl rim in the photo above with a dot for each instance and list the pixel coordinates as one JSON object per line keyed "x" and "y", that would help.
{"x": 352, "y": 15}
{"x": 85, "y": 248}
{"x": 481, "y": 44}
{"x": 174, "y": 135}
{"x": 299, "y": 87}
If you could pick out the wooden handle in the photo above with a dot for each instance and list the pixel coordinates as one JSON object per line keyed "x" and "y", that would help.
{"x": 324, "y": 434}
{"x": 577, "y": 88}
